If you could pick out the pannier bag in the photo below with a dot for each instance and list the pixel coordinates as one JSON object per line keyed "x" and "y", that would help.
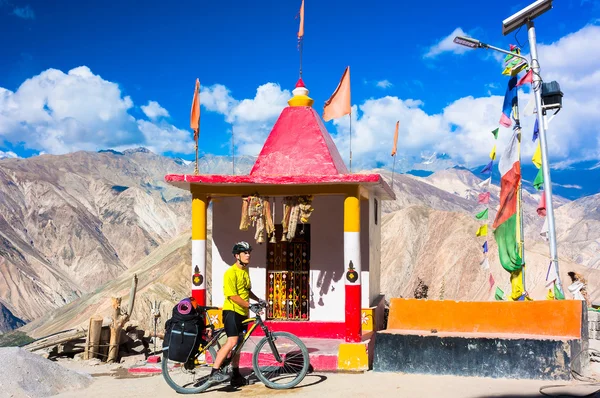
{"x": 183, "y": 332}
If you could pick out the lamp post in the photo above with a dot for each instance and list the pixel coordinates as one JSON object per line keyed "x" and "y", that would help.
{"x": 525, "y": 17}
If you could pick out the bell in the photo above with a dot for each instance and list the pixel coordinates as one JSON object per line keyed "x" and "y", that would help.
{"x": 273, "y": 240}
{"x": 284, "y": 236}
{"x": 261, "y": 239}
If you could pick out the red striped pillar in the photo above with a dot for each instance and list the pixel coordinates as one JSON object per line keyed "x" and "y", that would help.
{"x": 198, "y": 279}
{"x": 352, "y": 266}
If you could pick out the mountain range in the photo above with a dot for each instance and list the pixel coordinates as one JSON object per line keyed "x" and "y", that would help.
{"x": 75, "y": 227}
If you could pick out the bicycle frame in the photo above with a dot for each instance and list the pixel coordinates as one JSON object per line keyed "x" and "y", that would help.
{"x": 256, "y": 322}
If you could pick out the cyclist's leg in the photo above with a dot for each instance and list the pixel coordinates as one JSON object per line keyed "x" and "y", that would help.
{"x": 231, "y": 329}
{"x": 241, "y": 328}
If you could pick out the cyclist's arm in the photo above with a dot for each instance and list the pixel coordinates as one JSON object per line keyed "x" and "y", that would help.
{"x": 239, "y": 301}
{"x": 254, "y": 296}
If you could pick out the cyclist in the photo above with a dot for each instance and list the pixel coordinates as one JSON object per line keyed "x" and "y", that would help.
{"x": 237, "y": 290}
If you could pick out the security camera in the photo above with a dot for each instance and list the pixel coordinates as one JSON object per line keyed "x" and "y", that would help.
{"x": 526, "y": 14}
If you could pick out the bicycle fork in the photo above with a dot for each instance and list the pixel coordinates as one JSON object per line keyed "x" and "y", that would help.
{"x": 271, "y": 341}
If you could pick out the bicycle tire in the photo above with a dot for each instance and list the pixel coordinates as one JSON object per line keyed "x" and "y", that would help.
{"x": 185, "y": 390}
{"x": 299, "y": 377}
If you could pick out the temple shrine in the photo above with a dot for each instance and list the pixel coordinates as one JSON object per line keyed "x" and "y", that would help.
{"x": 315, "y": 230}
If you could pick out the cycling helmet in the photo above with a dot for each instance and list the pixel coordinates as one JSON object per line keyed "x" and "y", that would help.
{"x": 241, "y": 247}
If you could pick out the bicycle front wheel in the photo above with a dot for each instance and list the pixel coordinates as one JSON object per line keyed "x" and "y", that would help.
{"x": 190, "y": 377}
{"x": 286, "y": 372}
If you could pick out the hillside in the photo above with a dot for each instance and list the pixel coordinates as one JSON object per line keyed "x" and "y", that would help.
{"x": 79, "y": 225}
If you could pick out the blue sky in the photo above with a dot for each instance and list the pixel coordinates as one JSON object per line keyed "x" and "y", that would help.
{"x": 401, "y": 69}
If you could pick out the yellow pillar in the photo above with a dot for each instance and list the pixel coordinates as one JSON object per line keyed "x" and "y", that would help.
{"x": 199, "y": 206}
{"x": 352, "y": 266}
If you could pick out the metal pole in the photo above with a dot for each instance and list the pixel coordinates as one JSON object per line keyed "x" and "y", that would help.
{"x": 537, "y": 88}
{"x": 350, "y": 141}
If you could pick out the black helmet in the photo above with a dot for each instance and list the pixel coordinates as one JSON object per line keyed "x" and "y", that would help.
{"x": 241, "y": 247}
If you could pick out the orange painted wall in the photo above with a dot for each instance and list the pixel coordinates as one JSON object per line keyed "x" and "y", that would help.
{"x": 551, "y": 318}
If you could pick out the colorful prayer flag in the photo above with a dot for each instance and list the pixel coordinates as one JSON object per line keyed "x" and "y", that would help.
{"x": 195, "y": 113}
{"x": 544, "y": 230}
{"x": 482, "y": 215}
{"x": 484, "y": 198}
{"x": 301, "y": 28}
{"x": 537, "y": 156}
{"x": 338, "y": 104}
{"x": 485, "y": 247}
{"x": 492, "y": 281}
{"x": 536, "y": 130}
{"x": 510, "y": 99}
{"x": 488, "y": 168}
{"x": 499, "y": 296}
{"x": 482, "y": 231}
{"x": 495, "y": 133}
{"x": 493, "y": 153}
{"x": 395, "y": 147}
{"x": 485, "y": 263}
{"x": 530, "y": 107}
{"x": 538, "y": 183}
{"x": 541, "y": 209}
{"x": 528, "y": 78}
{"x": 485, "y": 183}
{"x": 505, "y": 223}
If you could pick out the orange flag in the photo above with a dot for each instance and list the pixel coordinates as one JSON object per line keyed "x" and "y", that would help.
{"x": 301, "y": 29}
{"x": 195, "y": 115}
{"x": 339, "y": 103}
{"x": 395, "y": 139}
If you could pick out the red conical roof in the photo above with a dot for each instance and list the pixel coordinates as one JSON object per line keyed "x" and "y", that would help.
{"x": 299, "y": 144}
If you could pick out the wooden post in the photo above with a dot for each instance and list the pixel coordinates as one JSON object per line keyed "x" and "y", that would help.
{"x": 93, "y": 337}
{"x": 119, "y": 320}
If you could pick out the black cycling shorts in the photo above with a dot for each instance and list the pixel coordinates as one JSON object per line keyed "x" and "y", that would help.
{"x": 233, "y": 323}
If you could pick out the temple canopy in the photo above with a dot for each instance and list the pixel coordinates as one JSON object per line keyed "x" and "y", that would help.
{"x": 298, "y": 151}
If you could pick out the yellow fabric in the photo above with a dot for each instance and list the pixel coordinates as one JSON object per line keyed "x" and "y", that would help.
{"x": 493, "y": 153}
{"x": 516, "y": 282}
{"x": 236, "y": 282}
{"x": 537, "y": 156}
{"x": 482, "y": 231}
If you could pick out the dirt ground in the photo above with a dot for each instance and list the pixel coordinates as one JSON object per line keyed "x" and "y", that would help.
{"x": 112, "y": 382}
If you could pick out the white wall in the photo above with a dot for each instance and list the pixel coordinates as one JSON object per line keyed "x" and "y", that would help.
{"x": 327, "y": 291}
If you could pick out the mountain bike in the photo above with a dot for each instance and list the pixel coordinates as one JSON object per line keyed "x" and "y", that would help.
{"x": 280, "y": 359}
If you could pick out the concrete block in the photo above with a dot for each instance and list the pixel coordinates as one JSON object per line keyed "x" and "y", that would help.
{"x": 353, "y": 357}
{"x": 476, "y": 356}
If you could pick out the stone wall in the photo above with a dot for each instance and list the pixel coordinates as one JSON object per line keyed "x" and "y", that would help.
{"x": 594, "y": 325}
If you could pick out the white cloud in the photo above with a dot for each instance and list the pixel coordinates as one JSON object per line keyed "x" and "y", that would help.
{"x": 58, "y": 113}
{"x": 153, "y": 110}
{"x": 251, "y": 119}
{"x": 24, "y": 12}
{"x": 384, "y": 84}
{"x": 447, "y": 45}
{"x": 8, "y": 154}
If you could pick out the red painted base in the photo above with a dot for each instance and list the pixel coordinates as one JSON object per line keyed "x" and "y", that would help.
{"x": 200, "y": 296}
{"x": 353, "y": 311}
{"x": 320, "y": 363}
{"x": 317, "y": 330}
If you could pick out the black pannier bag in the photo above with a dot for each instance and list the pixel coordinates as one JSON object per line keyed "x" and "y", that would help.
{"x": 183, "y": 332}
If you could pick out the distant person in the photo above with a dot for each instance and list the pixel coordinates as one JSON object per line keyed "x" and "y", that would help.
{"x": 237, "y": 290}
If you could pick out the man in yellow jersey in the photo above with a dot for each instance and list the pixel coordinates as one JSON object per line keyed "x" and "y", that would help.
{"x": 237, "y": 290}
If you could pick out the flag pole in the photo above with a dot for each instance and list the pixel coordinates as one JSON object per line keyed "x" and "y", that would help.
{"x": 350, "y": 138}
{"x": 232, "y": 153}
{"x": 300, "y": 51}
{"x": 393, "y": 169}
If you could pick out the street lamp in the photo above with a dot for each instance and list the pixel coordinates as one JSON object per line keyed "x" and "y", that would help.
{"x": 552, "y": 100}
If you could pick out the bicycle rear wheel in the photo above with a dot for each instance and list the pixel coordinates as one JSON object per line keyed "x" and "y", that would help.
{"x": 190, "y": 377}
{"x": 288, "y": 372}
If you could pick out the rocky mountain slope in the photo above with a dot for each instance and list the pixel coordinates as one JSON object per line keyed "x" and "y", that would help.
{"x": 81, "y": 224}
{"x": 70, "y": 223}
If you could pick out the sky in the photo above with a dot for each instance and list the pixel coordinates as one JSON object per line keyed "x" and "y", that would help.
{"x": 114, "y": 75}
